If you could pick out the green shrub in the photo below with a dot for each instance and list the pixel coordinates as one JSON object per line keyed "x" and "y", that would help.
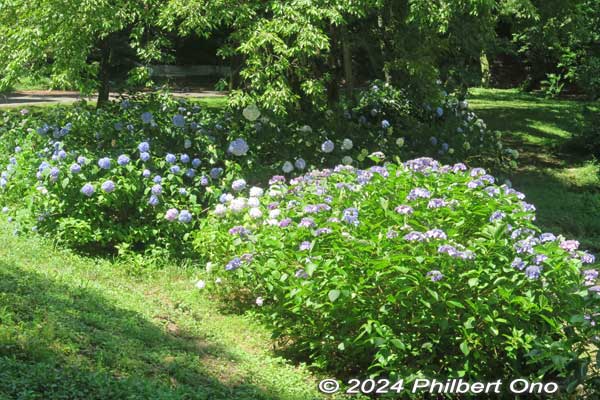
{"x": 410, "y": 270}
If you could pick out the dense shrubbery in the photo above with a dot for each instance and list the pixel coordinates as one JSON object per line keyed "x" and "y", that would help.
{"x": 103, "y": 178}
{"x": 407, "y": 270}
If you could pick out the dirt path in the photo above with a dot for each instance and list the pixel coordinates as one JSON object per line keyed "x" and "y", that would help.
{"x": 37, "y": 97}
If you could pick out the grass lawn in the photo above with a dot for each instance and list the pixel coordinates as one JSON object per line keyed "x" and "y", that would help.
{"x": 78, "y": 328}
{"x": 564, "y": 186}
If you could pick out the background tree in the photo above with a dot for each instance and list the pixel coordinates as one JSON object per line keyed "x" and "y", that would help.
{"x": 74, "y": 42}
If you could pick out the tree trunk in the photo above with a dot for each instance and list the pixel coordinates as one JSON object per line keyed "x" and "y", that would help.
{"x": 104, "y": 73}
{"x": 332, "y": 87}
{"x": 347, "y": 57}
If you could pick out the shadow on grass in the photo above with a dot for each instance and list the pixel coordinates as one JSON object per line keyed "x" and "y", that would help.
{"x": 62, "y": 341}
{"x": 563, "y": 208}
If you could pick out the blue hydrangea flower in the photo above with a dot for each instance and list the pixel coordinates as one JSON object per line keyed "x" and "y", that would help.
{"x": 196, "y": 162}
{"x": 147, "y": 117}
{"x": 179, "y": 121}
{"x": 87, "y": 189}
{"x": 183, "y": 191}
{"x": 216, "y": 172}
{"x": 81, "y": 160}
{"x": 533, "y": 271}
{"x": 385, "y": 124}
{"x": 238, "y": 147}
{"x": 204, "y": 181}
{"x": 171, "y": 158}
{"x": 144, "y": 156}
{"x": 108, "y": 186}
{"x": 146, "y": 173}
{"x": 175, "y": 169}
{"x": 190, "y": 173}
{"x": 144, "y": 147}
{"x": 233, "y": 264}
{"x": 184, "y": 158}
{"x": 104, "y": 163}
{"x": 439, "y": 111}
{"x": 327, "y": 146}
{"x": 185, "y": 216}
{"x": 154, "y": 201}
{"x": 519, "y": 264}
{"x": 157, "y": 179}
{"x": 123, "y": 160}
{"x": 75, "y": 168}
{"x": 497, "y": 215}
{"x": 54, "y": 172}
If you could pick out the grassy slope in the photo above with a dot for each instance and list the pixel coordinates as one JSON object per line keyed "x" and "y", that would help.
{"x": 77, "y": 328}
{"x": 564, "y": 186}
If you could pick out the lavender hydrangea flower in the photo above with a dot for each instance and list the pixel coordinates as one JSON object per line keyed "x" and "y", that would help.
{"x": 171, "y": 214}
{"x": 435, "y": 275}
{"x": 404, "y": 210}
{"x": 123, "y": 160}
{"x": 590, "y": 275}
{"x": 108, "y": 186}
{"x": 306, "y": 223}
{"x": 533, "y": 272}
{"x": 185, "y": 216}
{"x": 539, "y": 258}
{"x": 518, "y": 263}
{"x": 204, "y": 180}
{"x": 414, "y": 236}
{"x": 238, "y": 147}
{"x": 87, "y": 189}
{"x": 350, "y": 216}
{"x": 587, "y": 258}
{"x": 547, "y": 237}
{"x": 301, "y": 274}
{"x": 436, "y": 203}
{"x": 238, "y": 185}
{"x": 391, "y": 234}
{"x": 154, "y": 201}
{"x": 323, "y": 231}
{"x": 104, "y": 163}
{"x": 436, "y": 234}
{"x": 497, "y": 215}
{"x": 284, "y": 223}
{"x": 157, "y": 189}
{"x": 146, "y": 173}
{"x": 417, "y": 193}
{"x": 304, "y": 246}
{"x": 448, "y": 249}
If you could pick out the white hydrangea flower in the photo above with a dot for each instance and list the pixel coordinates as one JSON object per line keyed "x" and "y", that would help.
{"x": 201, "y": 284}
{"x": 220, "y": 210}
{"x": 255, "y": 213}
{"x": 287, "y": 167}
{"x": 253, "y": 202}
{"x": 187, "y": 143}
{"x": 237, "y": 205}
{"x": 347, "y": 144}
{"x": 347, "y": 160}
{"x": 256, "y": 191}
{"x": 259, "y": 301}
{"x": 274, "y": 213}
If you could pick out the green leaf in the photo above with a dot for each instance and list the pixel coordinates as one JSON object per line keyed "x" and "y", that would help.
{"x": 334, "y": 295}
{"x": 398, "y": 343}
{"x": 464, "y": 347}
{"x": 473, "y": 282}
{"x": 454, "y": 304}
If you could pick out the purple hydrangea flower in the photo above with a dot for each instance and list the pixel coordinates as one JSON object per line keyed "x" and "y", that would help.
{"x": 277, "y": 179}
{"x": 519, "y": 264}
{"x": 497, "y": 215}
{"x": 157, "y": 189}
{"x": 404, "y": 210}
{"x": 587, "y": 258}
{"x": 447, "y": 249}
{"x": 391, "y": 234}
{"x": 306, "y": 223}
{"x": 285, "y": 222}
{"x": 239, "y": 230}
{"x": 436, "y": 234}
{"x": 418, "y": 193}
{"x": 323, "y": 231}
{"x": 436, "y": 203}
{"x": 414, "y": 236}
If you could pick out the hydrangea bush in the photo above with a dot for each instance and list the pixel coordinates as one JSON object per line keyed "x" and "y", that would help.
{"x": 407, "y": 270}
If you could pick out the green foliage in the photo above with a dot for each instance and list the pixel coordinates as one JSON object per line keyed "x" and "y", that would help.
{"x": 445, "y": 288}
